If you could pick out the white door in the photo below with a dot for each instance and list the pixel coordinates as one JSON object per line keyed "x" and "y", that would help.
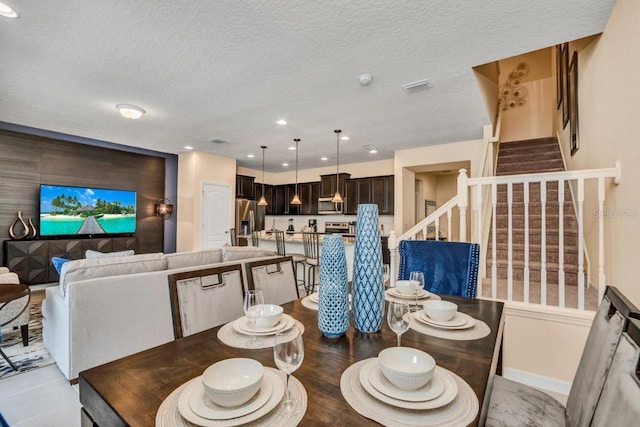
{"x": 216, "y": 215}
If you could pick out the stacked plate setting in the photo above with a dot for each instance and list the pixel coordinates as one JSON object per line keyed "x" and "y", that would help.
{"x": 314, "y": 298}
{"x": 244, "y": 326}
{"x": 197, "y": 408}
{"x": 422, "y": 294}
{"x": 438, "y": 392}
{"x": 459, "y": 321}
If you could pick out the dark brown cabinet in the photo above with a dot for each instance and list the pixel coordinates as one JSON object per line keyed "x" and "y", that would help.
{"x": 328, "y": 184}
{"x": 244, "y": 187}
{"x": 309, "y": 193}
{"x": 268, "y": 196}
{"x": 382, "y": 193}
{"x": 351, "y": 197}
{"x": 376, "y": 190}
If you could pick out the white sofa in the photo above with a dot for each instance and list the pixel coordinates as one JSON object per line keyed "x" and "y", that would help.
{"x": 108, "y": 308}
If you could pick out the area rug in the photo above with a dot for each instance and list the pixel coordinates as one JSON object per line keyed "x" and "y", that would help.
{"x": 33, "y": 356}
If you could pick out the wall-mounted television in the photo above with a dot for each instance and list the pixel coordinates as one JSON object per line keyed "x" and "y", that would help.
{"x": 83, "y": 211}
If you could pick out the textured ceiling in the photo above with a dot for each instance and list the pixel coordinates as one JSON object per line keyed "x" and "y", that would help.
{"x": 228, "y": 70}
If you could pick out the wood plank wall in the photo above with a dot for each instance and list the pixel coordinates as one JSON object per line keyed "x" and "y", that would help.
{"x": 27, "y": 161}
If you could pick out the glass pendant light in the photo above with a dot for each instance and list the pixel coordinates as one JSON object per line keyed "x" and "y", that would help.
{"x": 296, "y": 199}
{"x": 337, "y": 198}
{"x": 263, "y": 201}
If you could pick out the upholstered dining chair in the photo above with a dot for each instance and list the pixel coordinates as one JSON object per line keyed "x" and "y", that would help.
{"x": 311, "y": 242}
{"x": 449, "y": 267}
{"x": 15, "y": 313}
{"x": 276, "y": 279}
{"x": 514, "y": 404}
{"x": 204, "y": 299}
{"x": 298, "y": 259}
{"x": 619, "y": 403}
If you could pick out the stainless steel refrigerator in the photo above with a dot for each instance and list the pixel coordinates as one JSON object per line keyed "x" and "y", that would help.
{"x": 249, "y": 216}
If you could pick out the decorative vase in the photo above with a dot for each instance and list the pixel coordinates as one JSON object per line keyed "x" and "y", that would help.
{"x": 32, "y": 228}
{"x": 368, "y": 287}
{"x": 333, "y": 301}
{"x": 23, "y": 224}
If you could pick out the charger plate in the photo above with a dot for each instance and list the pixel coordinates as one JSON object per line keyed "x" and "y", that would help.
{"x": 307, "y": 302}
{"x": 479, "y": 330}
{"x": 460, "y": 321}
{"x": 230, "y": 337}
{"x": 243, "y": 326}
{"x": 460, "y": 412}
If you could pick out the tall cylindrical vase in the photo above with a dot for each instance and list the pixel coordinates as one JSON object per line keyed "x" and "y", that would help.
{"x": 368, "y": 288}
{"x": 333, "y": 301}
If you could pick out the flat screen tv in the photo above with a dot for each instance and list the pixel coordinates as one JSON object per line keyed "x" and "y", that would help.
{"x": 68, "y": 211}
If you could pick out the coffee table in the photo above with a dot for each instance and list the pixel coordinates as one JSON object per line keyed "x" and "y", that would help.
{"x": 10, "y": 293}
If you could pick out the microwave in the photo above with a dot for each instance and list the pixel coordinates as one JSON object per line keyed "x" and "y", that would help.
{"x": 327, "y": 207}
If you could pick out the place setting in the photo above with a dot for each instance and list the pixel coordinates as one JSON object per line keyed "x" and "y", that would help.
{"x": 410, "y": 290}
{"x": 259, "y": 325}
{"x": 311, "y": 301}
{"x": 403, "y": 386}
{"x": 439, "y": 318}
{"x": 241, "y": 391}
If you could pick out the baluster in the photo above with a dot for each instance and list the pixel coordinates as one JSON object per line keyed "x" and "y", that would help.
{"x": 463, "y": 203}
{"x": 494, "y": 267}
{"x": 561, "y": 243}
{"x": 477, "y": 202}
{"x": 392, "y": 258}
{"x": 580, "y": 244}
{"x": 437, "y": 222}
{"x": 543, "y": 242}
{"x": 510, "y": 242}
{"x": 525, "y": 191}
{"x": 449, "y": 224}
{"x": 601, "y": 276}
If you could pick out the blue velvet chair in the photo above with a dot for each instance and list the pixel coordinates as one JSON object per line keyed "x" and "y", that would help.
{"x": 449, "y": 267}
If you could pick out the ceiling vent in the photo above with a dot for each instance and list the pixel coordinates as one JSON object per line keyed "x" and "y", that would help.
{"x": 416, "y": 86}
{"x": 218, "y": 141}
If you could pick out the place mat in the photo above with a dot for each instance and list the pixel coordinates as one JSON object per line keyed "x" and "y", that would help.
{"x": 168, "y": 414}
{"x": 306, "y": 302}
{"x": 389, "y": 297}
{"x": 460, "y": 412}
{"x": 479, "y": 330}
{"x": 230, "y": 337}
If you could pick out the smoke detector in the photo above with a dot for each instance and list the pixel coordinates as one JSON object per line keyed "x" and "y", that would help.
{"x": 416, "y": 86}
{"x": 365, "y": 79}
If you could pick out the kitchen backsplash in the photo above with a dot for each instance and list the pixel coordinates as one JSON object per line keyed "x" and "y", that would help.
{"x": 299, "y": 221}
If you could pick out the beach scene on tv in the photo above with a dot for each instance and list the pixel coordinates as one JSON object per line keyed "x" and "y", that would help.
{"x": 79, "y": 210}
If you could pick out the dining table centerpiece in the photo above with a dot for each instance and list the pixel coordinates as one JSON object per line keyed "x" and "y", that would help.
{"x": 333, "y": 300}
{"x": 368, "y": 287}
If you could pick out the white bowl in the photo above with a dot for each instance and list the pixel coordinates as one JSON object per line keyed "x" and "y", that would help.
{"x": 440, "y": 310}
{"x": 406, "y": 368}
{"x": 270, "y": 316}
{"x": 232, "y": 382}
{"x": 404, "y": 287}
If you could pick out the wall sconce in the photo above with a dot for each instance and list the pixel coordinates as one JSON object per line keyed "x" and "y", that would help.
{"x": 164, "y": 208}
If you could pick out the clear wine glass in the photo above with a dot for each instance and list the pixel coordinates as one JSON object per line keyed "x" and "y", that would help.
{"x": 385, "y": 273}
{"x": 398, "y": 317}
{"x": 288, "y": 353}
{"x": 416, "y": 281}
{"x": 253, "y": 308}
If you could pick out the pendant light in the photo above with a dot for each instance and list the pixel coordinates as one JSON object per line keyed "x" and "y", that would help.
{"x": 337, "y": 198}
{"x": 263, "y": 201}
{"x": 296, "y": 199}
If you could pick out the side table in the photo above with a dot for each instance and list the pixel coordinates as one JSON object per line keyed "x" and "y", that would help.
{"x": 9, "y": 293}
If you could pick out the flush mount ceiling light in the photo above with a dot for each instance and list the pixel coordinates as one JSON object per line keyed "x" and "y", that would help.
{"x": 337, "y": 198}
{"x": 371, "y": 148}
{"x": 263, "y": 201}
{"x": 296, "y": 199}
{"x": 281, "y": 122}
{"x": 129, "y": 111}
{"x": 7, "y": 11}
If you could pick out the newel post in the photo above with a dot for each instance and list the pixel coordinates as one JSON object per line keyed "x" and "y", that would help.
{"x": 463, "y": 202}
{"x": 392, "y": 258}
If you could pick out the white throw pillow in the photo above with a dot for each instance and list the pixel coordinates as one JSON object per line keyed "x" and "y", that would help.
{"x": 89, "y": 254}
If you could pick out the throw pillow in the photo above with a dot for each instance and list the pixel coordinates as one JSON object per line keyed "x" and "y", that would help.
{"x": 59, "y": 262}
{"x": 89, "y": 254}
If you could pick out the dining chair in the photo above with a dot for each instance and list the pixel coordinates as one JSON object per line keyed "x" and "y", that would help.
{"x": 15, "y": 313}
{"x": 449, "y": 267}
{"x": 255, "y": 238}
{"x": 276, "y": 279}
{"x": 298, "y": 259}
{"x": 619, "y": 403}
{"x": 514, "y": 404}
{"x": 233, "y": 237}
{"x": 311, "y": 242}
{"x": 204, "y": 299}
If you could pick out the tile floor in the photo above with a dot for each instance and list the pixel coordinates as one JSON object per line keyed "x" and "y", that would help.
{"x": 40, "y": 398}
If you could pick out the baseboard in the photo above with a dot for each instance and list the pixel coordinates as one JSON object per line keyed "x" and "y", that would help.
{"x": 537, "y": 381}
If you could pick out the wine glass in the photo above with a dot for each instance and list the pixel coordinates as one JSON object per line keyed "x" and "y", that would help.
{"x": 397, "y": 317}
{"x": 253, "y": 308}
{"x": 288, "y": 353}
{"x": 385, "y": 273}
{"x": 416, "y": 282}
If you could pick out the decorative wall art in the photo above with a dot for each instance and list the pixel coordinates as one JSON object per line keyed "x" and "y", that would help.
{"x": 559, "y": 82}
{"x": 512, "y": 92}
{"x": 564, "y": 70}
{"x": 573, "y": 104}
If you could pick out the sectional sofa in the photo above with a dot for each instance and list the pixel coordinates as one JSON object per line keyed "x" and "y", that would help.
{"x": 108, "y": 308}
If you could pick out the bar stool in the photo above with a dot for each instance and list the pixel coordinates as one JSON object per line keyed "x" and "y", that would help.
{"x": 297, "y": 258}
{"x": 233, "y": 237}
{"x": 312, "y": 258}
{"x": 255, "y": 238}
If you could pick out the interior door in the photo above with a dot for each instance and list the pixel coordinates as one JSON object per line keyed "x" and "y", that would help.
{"x": 216, "y": 215}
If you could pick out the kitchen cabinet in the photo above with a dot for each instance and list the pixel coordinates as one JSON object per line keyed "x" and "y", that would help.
{"x": 351, "y": 197}
{"x": 280, "y": 200}
{"x": 268, "y": 196}
{"x": 245, "y": 187}
{"x": 328, "y": 184}
{"x": 309, "y": 193}
{"x": 382, "y": 193}
{"x": 376, "y": 190}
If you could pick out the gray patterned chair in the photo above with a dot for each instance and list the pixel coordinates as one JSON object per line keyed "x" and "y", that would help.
{"x": 514, "y": 404}
{"x": 16, "y": 313}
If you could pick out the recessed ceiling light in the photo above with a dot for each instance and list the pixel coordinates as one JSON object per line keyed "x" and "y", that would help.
{"x": 129, "y": 111}
{"x": 344, "y": 138}
{"x": 324, "y": 158}
{"x": 285, "y": 164}
{"x": 292, "y": 148}
{"x": 7, "y": 11}
{"x": 251, "y": 156}
{"x": 281, "y": 122}
{"x": 188, "y": 147}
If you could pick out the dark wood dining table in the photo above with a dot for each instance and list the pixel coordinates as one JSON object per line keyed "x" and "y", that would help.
{"x": 129, "y": 391}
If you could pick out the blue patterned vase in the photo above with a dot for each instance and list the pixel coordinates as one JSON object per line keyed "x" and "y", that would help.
{"x": 333, "y": 301}
{"x": 368, "y": 288}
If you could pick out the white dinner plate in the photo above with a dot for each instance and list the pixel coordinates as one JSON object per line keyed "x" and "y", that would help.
{"x": 450, "y": 389}
{"x": 422, "y": 294}
{"x": 430, "y": 391}
{"x": 243, "y": 326}
{"x": 459, "y": 321}
{"x": 206, "y": 408}
{"x": 314, "y": 297}
{"x": 274, "y": 400}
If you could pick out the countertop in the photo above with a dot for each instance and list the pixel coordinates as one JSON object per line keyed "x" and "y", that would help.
{"x": 297, "y": 238}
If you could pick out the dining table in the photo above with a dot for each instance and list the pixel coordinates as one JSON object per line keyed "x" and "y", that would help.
{"x": 129, "y": 391}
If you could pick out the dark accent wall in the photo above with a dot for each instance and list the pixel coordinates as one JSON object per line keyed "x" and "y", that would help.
{"x": 26, "y": 161}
